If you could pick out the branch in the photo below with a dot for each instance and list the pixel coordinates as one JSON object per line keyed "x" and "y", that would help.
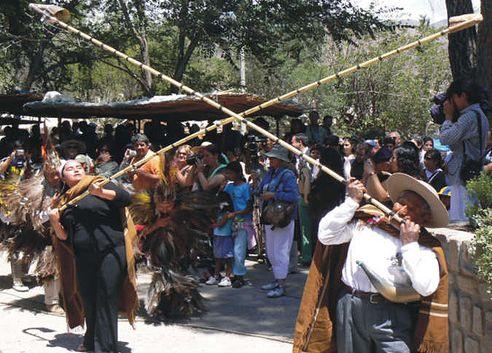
{"x": 126, "y": 70}
{"x": 127, "y": 17}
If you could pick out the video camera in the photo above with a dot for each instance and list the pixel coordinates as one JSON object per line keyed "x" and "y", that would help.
{"x": 253, "y": 143}
{"x": 194, "y": 159}
{"x": 437, "y": 109}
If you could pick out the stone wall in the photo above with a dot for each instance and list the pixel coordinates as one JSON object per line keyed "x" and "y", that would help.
{"x": 470, "y": 306}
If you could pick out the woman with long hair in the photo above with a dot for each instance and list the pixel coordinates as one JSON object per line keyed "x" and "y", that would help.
{"x": 93, "y": 244}
{"x": 209, "y": 175}
{"x": 348, "y": 149}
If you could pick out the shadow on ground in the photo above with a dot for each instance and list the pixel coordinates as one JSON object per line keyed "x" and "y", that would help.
{"x": 247, "y": 309}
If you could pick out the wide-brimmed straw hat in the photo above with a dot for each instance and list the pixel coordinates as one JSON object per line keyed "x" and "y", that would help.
{"x": 278, "y": 152}
{"x": 398, "y": 183}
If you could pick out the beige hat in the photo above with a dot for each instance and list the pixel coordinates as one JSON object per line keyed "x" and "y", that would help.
{"x": 400, "y": 182}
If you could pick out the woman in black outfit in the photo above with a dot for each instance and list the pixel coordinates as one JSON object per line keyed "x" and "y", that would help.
{"x": 94, "y": 229}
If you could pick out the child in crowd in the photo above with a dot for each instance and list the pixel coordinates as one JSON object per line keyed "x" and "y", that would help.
{"x": 240, "y": 192}
{"x": 222, "y": 241}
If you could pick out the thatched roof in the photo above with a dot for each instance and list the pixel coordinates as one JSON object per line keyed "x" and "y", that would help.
{"x": 12, "y": 103}
{"x": 175, "y": 107}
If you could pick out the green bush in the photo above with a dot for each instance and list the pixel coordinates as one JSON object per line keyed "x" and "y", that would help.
{"x": 480, "y": 190}
{"x": 480, "y": 214}
{"x": 482, "y": 245}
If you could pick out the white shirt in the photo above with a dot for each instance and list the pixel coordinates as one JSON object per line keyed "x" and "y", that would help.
{"x": 378, "y": 250}
{"x": 299, "y": 160}
{"x": 347, "y": 165}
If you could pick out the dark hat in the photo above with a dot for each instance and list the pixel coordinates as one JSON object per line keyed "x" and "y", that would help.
{"x": 79, "y": 145}
{"x": 278, "y": 152}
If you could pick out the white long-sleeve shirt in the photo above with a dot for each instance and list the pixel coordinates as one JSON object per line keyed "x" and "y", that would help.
{"x": 379, "y": 250}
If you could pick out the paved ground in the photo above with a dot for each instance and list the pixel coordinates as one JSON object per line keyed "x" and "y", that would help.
{"x": 236, "y": 321}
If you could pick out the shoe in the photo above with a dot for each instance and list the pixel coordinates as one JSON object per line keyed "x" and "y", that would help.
{"x": 269, "y": 286}
{"x": 225, "y": 282}
{"x": 212, "y": 280}
{"x": 276, "y": 292}
{"x": 20, "y": 288}
{"x": 238, "y": 283}
{"x": 55, "y": 309}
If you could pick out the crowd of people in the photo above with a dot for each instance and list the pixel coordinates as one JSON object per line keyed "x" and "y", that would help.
{"x": 268, "y": 199}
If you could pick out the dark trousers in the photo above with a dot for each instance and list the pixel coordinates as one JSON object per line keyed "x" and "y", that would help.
{"x": 100, "y": 277}
{"x": 365, "y": 327}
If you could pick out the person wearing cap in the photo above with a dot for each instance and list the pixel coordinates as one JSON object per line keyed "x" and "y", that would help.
{"x": 104, "y": 164}
{"x": 147, "y": 175}
{"x": 71, "y": 148}
{"x": 279, "y": 183}
{"x": 361, "y": 319}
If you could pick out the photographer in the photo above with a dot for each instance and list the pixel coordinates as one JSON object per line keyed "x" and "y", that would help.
{"x": 465, "y": 131}
{"x": 184, "y": 172}
{"x": 148, "y": 175}
{"x": 14, "y": 163}
{"x": 209, "y": 168}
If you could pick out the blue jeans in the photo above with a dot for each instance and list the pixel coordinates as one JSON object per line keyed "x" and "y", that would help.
{"x": 240, "y": 236}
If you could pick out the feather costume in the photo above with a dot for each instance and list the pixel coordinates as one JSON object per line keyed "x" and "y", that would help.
{"x": 25, "y": 202}
{"x": 176, "y": 236}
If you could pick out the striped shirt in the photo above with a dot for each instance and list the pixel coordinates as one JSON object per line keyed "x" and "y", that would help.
{"x": 465, "y": 129}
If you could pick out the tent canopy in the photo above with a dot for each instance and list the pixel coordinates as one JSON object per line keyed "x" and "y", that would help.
{"x": 173, "y": 107}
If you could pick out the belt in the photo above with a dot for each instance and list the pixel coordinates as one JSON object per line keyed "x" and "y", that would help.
{"x": 374, "y": 298}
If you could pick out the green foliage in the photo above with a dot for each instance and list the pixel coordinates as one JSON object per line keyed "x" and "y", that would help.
{"x": 394, "y": 94}
{"x": 482, "y": 245}
{"x": 480, "y": 190}
{"x": 480, "y": 214}
{"x": 166, "y": 34}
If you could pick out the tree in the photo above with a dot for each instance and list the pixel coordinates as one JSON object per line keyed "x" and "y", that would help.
{"x": 393, "y": 95}
{"x": 259, "y": 26}
{"x": 484, "y": 48}
{"x": 32, "y": 55}
{"x": 463, "y": 44}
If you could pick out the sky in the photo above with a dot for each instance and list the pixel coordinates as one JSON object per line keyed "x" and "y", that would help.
{"x": 434, "y": 10}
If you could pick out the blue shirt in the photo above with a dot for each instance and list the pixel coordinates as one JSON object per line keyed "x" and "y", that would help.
{"x": 226, "y": 229}
{"x": 240, "y": 195}
{"x": 283, "y": 182}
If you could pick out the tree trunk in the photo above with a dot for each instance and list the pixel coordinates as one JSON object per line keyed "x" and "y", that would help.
{"x": 484, "y": 50}
{"x": 183, "y": 60}
{"x": 146, "y": 76}
{"x": 462, "y": 44}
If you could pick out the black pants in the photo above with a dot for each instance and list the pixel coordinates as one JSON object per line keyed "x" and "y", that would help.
{"x": 100, "y": 277}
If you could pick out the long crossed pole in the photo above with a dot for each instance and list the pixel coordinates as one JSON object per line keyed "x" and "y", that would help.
{"x": 51, "y": 17}
{"x": 462, "y": 22}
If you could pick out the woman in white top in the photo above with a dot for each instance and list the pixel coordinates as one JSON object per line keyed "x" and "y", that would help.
{"x": 348, "y": 156}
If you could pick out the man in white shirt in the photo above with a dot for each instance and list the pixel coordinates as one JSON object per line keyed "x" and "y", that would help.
{"x": 366, "y": 321}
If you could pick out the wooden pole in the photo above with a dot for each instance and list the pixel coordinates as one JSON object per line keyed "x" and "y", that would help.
{"x": 465, "y": 23}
